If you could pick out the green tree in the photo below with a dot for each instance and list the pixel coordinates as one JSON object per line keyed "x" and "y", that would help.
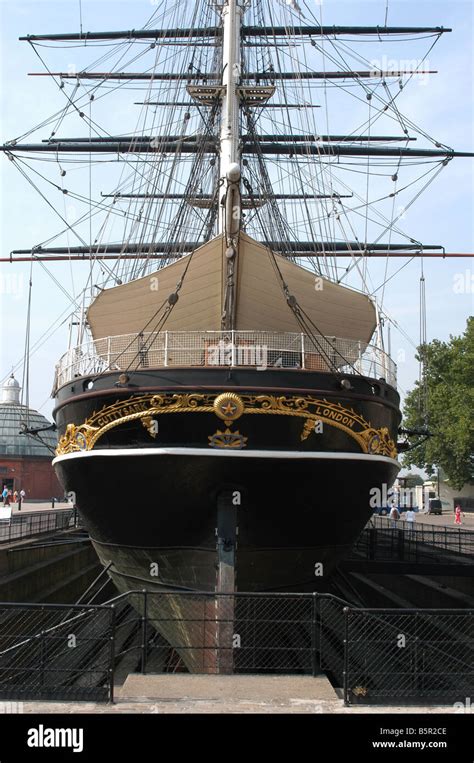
{"x": 411, "y": 480}
{"x": 449, "y": 386}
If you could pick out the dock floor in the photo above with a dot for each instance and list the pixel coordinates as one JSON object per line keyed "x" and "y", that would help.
{"x": 201, "y": 694}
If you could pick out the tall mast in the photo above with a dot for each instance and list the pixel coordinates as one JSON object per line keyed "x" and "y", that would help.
{"x": 230, "y": 149}
{"x": 229, "y": 133}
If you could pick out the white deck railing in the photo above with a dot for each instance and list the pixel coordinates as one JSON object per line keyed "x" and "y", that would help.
{"x": 258, "y": 349}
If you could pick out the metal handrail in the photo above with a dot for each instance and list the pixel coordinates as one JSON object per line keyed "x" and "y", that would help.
{"x": 383, "y": 539}
{"x": 84, "y": 610}
{"x": 257, "y": 349}
{"x": 385, "y": 521}
{"x": 28, "y": 524}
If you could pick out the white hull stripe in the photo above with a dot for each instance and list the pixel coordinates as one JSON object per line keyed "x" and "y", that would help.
{"x": 214, "y": 453}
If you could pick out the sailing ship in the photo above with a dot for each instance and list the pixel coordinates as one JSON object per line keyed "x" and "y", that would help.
{"x": 230, "y": 403}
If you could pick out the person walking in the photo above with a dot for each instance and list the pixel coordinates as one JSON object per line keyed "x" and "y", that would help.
{"x": 5, "y": 495}
{"x": 394, "y": 516}
{"x": 410, "y": 518}
{"x": 22, "y": 498}
{"x": 15, "y": 496}
{"x": 457, "y": 515}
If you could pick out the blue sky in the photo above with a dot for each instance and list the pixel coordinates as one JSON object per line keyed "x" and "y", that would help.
{"x": 444, "y": 215}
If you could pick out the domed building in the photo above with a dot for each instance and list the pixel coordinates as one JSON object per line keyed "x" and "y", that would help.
{"x": 25, "y": 461}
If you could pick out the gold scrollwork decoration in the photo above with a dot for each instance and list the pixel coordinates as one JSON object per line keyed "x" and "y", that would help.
{"x": 228, "y": 406}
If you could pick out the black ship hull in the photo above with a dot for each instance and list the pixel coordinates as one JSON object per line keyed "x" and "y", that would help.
{"x": 268, "y": 499}
{"x": 294, "y": 515}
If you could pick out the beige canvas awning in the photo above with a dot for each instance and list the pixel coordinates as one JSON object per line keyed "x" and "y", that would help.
{"x": 261, "y": 305}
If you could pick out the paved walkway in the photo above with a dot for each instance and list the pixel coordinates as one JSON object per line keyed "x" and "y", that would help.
{"x": 446, "y": 519}
{"x": 199, "y": 694}
{"x": 39, "y": 506}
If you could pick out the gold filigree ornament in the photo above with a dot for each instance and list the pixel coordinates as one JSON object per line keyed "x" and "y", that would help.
{"x": 151, "y": 425}
{"x": 307, "y": 429}
{"x": 76, "y": 438}
{"x": 373, "y": 441}
{"x": 379, "y": 442}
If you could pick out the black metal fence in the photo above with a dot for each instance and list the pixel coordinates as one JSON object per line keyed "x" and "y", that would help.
{"x": 331, "y": 641}
{"x": 425, "y": 529}
{"x": 26, "y": 524}
{"x": 372, "y": 655}
{"x": 408, "y": 655}
{"x": 383, "y": 539}
{"x": 227, "y": 633}
{"x": 56, "y": 651}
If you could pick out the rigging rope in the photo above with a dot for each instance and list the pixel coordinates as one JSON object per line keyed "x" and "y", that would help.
{"x": 300, "y": 315}
{"x": 80, "y": 15}
{"x": 25, "y": 391}
{"x": 154, "y": 173}
{"x": 423, "y": 381}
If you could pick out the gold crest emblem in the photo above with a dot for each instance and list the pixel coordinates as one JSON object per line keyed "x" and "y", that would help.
{"x": 228, "y": 407}
{"x": 227, "y": 439}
